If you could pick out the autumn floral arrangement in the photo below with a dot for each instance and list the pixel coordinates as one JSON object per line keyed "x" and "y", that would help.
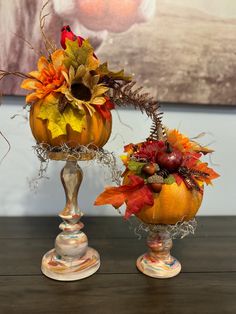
{"x": 69, "y": 84}
{"x": 71, "y": 95}
{"x": 71, "y": 98}
{"x": 164, "y": 177}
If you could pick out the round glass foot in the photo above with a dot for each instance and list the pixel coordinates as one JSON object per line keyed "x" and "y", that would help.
{"x": 158, "y": 268}
{"x": 54, "y": 267}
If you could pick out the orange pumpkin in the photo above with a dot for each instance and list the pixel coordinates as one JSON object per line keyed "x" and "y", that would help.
{"x": 174, "y": 203}
{"x": 96, "y": 131}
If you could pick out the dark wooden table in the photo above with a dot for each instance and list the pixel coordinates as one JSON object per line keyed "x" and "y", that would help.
{"x": 207, "y": 283}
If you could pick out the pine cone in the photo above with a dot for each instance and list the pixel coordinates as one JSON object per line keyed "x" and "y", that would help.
{"x": 163, "y": 173}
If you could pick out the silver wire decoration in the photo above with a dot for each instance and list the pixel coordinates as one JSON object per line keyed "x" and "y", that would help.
{"x": 179, "y": 230}
{"x": 99, "y": 155}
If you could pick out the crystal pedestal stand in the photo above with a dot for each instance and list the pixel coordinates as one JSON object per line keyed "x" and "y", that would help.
{"x": 158, "y": 262}
{"x": 71, "y": 259}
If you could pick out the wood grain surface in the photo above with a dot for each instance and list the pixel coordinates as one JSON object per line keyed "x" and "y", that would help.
{"x": 207, "y": 283}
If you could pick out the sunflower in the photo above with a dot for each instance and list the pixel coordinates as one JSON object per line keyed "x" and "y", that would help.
{"x": 82, "y": 89}
{"x": 49, "y": 77}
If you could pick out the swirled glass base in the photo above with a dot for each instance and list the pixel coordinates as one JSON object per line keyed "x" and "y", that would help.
{"x": 158, "y": 262}
{"x": 65, "y": 270}
{"x": 158, "y": 268}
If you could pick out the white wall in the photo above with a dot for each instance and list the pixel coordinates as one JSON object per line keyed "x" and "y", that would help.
{"x": 21, "y": 164}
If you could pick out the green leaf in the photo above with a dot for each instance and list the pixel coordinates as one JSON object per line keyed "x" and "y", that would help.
{"x": 169, "y": 180}
{"x": 57, "y": 122}
{"x": 77, "y": 55}
{"x": 135, "y": 166}
{"x": 104, "y": 71}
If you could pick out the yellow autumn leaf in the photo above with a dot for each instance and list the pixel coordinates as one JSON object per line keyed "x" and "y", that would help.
{"x": 57, "y": 121}
{"x": 92, "y": 63}
{"x": 103, "y": 70}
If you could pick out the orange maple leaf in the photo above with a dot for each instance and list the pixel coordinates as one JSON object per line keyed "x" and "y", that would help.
{"x": 135, "y": 194}
{"x": 191, "y": 161}
{"x": 203, "y": 167}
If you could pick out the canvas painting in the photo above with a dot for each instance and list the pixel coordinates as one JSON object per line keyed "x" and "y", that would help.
{"x": 182, "y": 51}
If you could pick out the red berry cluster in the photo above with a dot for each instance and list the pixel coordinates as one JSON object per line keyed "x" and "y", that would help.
{"x": 158, "y": 156}
{"x": 160, "y": 152}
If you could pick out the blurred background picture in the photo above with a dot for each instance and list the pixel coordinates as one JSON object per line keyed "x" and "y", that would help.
{"x": 182, "y": 51}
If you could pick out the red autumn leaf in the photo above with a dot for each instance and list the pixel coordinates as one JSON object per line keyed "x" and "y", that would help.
{"x": 135, "y": 194}
{"x": 149, "y": 150}
{"x": 105, "y": 110}
{"x": 190, "y": 159}
{"x": 137, "y": 200}
{"x": 178, "y": 178}
{"x": 109, "y": 104}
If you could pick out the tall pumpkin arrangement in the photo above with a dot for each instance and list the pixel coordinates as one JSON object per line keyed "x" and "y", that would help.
{"x": 69, "y": 102}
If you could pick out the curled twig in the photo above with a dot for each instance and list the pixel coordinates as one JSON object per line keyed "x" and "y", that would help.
{"x": 125, "y": 94}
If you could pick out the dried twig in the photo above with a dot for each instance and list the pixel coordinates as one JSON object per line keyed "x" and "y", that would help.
{"x": 39, "y": 53}
{"x": 50, "y": 46}
{"x": 9, "y": 147}
{"x": 6, "y": 73}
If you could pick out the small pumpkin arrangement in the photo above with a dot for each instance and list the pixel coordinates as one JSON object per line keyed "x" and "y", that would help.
{"x": 163, "y": 181}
